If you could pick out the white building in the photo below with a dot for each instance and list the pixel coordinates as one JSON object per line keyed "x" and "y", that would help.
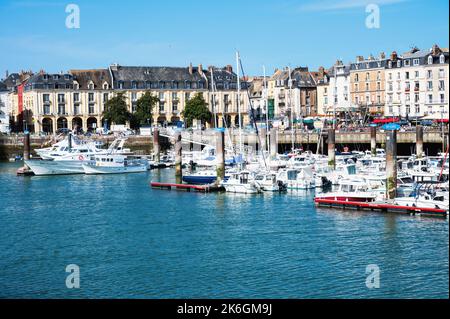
{"x": 417, "y": 84}
{"x": 4, "y": 109}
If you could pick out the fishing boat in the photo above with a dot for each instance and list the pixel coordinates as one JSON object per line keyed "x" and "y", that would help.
{"x": 114, "y": 164}
{"x": 241, "y": 182}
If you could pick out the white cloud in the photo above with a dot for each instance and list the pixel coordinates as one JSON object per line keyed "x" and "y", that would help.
{"x": 336, "y": 5}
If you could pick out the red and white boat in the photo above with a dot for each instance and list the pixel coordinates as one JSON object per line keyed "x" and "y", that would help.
{"x": 351, "y": 190}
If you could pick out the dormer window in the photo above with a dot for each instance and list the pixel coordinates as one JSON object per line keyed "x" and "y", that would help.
{"x": 416, "y": 62}
{"x": 430, "y": 60}
{"x": 441, "y": 59}
{"x": 134, "y": 85}
{"x": 105, "y": 86}
{"x": 67, "y": 77}
{"x": 390, "y": 64}
{"x": 399, "y": 64}
{"x": 406, "y": 62}
{"x": 45, "y": 77}
{"x": 91, "y": 85}
{"x": 76, "y": 86}
{"x": 55, "y": 77}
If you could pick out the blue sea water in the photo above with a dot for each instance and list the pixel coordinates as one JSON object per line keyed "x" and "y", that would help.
{"x": 130, "y": 241}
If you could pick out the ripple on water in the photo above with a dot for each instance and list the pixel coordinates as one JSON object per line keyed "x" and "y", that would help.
{"x": 132, "y": 241}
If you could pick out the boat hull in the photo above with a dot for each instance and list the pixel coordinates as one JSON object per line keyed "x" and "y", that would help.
{"x": 44, "y": 167}
{"x": 95, "y": 170}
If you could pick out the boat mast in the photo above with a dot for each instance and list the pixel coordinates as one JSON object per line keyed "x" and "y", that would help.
{"x": 266, "y": 105}
{"x": 239, "y": 102}
{"x": 291, "y": 108}
{"x": 213, "y": 98}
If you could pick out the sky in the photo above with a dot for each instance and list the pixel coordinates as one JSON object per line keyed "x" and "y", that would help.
{"x": 273, "y": 33}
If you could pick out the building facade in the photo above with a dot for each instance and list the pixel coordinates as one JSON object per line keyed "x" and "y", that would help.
{"x": 367, "y": 85}
{"x": 417, "y": 84}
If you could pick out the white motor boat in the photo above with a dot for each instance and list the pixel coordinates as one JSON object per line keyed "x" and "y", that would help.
{"x": 114, "y": 164}
{"x": 268, "y": 182}
{"x": 241, "y": 182}
{"x": 297, "y": 179}
{"x": 423, "y": 201}
{"x": 72, "y": 162}
{"x": 351, "y": 190}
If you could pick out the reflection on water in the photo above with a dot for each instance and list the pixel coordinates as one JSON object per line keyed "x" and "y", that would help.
{"x": 132, "y": 241}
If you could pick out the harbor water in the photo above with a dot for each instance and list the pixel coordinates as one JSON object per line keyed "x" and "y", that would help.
{"x": 130, "y": 241}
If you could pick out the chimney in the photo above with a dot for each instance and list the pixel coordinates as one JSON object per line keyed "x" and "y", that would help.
{"x": 436, "y": 50}
{"x": 382, "y": 56}
{"x": 359, "y": 58}
{"x": 229, "y": 68}
{"x": 200, "y": 69}
{"x": 321, "y": 72}
{"x": 190, "y": 68}
{"x": 6, "y": 74}
{"x": 394, "y": 56}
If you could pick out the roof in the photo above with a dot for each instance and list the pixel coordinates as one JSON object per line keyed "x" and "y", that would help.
{"x": 3, "y": 86}
{"x": 97, "y": 76}
{"x": 154, "y": 73}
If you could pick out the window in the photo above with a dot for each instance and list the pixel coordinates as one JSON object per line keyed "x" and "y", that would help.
{"x": 367, "y": 76}
{"x": 134, "y": 85}
{"x": 61, "y": 109}
{"x": 416, "y": 74}
{"x": 76, "y": 86}
{"x": 174, "y": 96}
{"x": 407, "y": 86}
{"x": 91, "y": 97}
{"x": 430, "y": 98}
{"x": 441, "y": 73}
{"x": 441, "y": 85}
{"x": 390, "y": 76}
{"x": 91, "y": 108}
{"x": 416, "y": 98}
{"x": 430, "y": 60}
{"x": 442, "y": 98}
{"x": 76, "y": 108}
{"x": 133, "y": 96}
{"x": 416, "y": 86}
{"x": 356, "y": 100}
{"x": 76, "y": 97}
{"x": 378, "y": 86}
{"x": 429, "y": 74}
{"x": 408, "y": 109}
{"x": 187, "y": 96}
{"x": 416, "y": 62}
{"x": 417, "y": 109}
{"x": 430, "y": 85}
{"x": 378, "y": 75}
{"x": 161, "y": 107}
{"x": 408, "y": 97}
{"x": 105, "y": 97}
{"x": 379, "y": 99}
{"x": 121, "y": 85}
{"x": 356, "y": 77}
{"x": 407, "y": 75}
{"x": 105, "y": 86}
{"x": 407, "y": 62}
{"x": 399, "y": 64}
{"x": 356, "y": 87}
{"x": 390, "y": 64}
{"x": 46, "y": 98}
{"x": 174, "y": 106}
{"x": 91, "y": 86}
{"x": 398, "y": 75}
{"x": 367, "y": 86}
{"x": 161, "y": 96}
{"x": 61, "y": 98}
{"x": 441, "y": 59}
{"x": 46, "y": 109}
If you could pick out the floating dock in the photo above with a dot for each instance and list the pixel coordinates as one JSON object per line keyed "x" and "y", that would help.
{"x": 187, "y": 187}
{"x": 380, "y": 206}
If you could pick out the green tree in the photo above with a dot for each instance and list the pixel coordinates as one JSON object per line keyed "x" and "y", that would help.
{"x": 196, "y": 108}
{"x": 116, "y": 110}
{"x": 144, "y": 109}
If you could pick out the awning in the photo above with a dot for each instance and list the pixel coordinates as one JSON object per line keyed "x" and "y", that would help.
{"x": 436, "y": 117}
{"x": 387, "y": 120}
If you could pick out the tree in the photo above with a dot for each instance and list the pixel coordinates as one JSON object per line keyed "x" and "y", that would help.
{"x": 196, "y": 108}
{"x": 144, "y": 109}
{"x": 116, "y": 110}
